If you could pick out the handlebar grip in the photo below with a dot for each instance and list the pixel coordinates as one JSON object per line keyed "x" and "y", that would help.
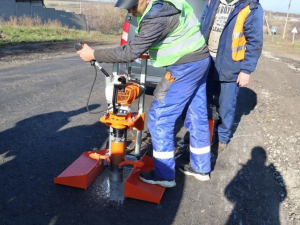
{"x": 78, "y": 46}
{"x": 105, "y": 73}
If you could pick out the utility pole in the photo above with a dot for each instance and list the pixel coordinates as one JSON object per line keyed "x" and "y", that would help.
{"x": 80, "y": 6}
{"x": 269, "y": 31}
{"x": 287, "y": 16}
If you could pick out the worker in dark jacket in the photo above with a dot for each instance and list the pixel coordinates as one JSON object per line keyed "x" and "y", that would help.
{"x": 233, "y": 30}
{"x": 170, "y": 32}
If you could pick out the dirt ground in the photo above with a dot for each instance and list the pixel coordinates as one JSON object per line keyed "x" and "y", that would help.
{"x": 276, "y": 88}
{"x": 277, "y": 83}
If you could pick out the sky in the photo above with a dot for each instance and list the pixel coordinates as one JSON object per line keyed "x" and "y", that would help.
{"x": 281, "y": 5}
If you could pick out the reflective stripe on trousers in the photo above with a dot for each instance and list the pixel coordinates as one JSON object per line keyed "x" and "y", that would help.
{"x": 188, "y": 89}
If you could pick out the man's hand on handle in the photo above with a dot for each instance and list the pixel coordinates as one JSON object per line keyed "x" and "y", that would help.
{"x": 243, "y": 79}
{"x": 86, "y": 53}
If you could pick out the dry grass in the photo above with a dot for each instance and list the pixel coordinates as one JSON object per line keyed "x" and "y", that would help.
{"x": 70, "y": 6}
{"x": 26, "y": 29}
{"x": 102, "y": 16}
{"x": 278, "y": 45}
{"x": 25, "y": 21}
{"x": 98, "y": 15}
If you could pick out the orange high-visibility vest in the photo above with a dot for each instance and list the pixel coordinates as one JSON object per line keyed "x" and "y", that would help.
{"x": 238, "y": 38}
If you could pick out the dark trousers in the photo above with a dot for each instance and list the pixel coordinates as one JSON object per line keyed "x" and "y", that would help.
{"x": 224, "y": 96}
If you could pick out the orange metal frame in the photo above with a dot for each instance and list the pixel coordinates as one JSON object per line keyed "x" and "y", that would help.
{"x": 130, "y": 121}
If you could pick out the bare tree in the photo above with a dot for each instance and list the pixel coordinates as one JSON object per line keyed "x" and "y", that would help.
{"x": 101, "y": 16}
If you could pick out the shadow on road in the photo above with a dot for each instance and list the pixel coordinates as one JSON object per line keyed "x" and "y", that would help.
{"x": 257, "y": 191}
{"x": 39, "y": 148}
{"x": 246, "y": 102}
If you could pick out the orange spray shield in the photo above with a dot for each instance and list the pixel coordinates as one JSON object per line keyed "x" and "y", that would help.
{"x": 137, "y": 189}
{"x": 83, "y": 171}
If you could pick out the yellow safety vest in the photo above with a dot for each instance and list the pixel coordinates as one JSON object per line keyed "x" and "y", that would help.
{"x": 186, "y": 38}
{"x": 238, "y": 38}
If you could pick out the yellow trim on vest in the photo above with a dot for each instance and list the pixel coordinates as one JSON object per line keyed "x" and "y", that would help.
{"x": 238, "y": 38}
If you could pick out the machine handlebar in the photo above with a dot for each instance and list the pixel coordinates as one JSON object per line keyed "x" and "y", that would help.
{"x": 78, "y": 46}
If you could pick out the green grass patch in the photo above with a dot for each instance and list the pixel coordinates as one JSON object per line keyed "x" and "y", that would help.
{"x": 19, "y": 34}
{"x": 277, "y": 43}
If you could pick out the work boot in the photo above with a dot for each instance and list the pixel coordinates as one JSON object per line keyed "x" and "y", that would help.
{"x": 152, "y": 178}
{"x": 188, "y": 170}
{"x": 222, "y": 146}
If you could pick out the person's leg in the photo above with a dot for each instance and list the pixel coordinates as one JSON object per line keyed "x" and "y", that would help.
{"x": 197, "y": 124}
{"x": 169, "y": 101}
{"x": 227, "y": 102}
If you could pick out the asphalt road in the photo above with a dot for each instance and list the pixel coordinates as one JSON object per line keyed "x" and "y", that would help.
{"x": 44, "y": 127}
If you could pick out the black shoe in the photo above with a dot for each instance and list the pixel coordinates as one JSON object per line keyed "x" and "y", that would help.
{"x": 151, "y": 178}
{"x": 188, "y": 170}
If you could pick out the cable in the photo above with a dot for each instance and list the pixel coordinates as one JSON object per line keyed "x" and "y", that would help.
{"x": 88, "y": 100}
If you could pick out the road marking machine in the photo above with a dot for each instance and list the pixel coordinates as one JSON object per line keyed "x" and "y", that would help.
{"x": 120, "y": 93}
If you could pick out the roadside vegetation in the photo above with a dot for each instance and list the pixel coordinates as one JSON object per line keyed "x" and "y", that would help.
{"x": 26, "y": 29}
{"x": 101, "y": 16}
{"x": 276, "y": 43}
{"x": 92, "y": 15}
{"x": 96, "y": 22}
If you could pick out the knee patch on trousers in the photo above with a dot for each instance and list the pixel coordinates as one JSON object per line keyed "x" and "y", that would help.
{"x": 163, "y": 86}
